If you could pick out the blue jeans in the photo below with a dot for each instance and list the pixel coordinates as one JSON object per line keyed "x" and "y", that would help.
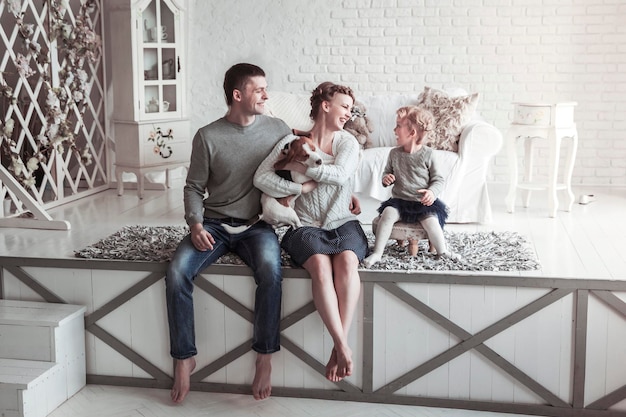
{"x": 258, "y": 247}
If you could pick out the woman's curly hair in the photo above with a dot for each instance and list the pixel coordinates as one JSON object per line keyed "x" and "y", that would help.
{"x": 418, "y": 117}
{"x": 325, "y": 92}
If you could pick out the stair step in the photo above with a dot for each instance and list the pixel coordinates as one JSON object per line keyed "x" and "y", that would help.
{"x": 23, "y": 374}
{"x": 30, "y": 388}
{"x": 42, "y": 356}
{"x": 36, "y": 313}
{"x": 29, "y": 330}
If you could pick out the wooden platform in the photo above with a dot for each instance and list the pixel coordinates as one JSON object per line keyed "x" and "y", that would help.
{"x": 548, "y": 342}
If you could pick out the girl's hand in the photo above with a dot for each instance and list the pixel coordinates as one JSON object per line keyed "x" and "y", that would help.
{"x": 428, "y": 197}
{"x": 388, "y": 180}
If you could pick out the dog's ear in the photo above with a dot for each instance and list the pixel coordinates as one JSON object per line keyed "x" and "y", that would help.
{"x": 285, "y": 150}
{"x": 280, "y": 164}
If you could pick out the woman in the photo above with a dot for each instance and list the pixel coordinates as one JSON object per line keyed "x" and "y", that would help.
{"x": 331, "y": 243}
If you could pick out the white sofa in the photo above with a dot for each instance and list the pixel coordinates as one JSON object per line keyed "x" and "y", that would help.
{"x": 465, "y": 190}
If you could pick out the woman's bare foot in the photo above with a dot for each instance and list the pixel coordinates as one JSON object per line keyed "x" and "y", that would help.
{"x": 344, "y": 362}
{"x": 339, "y": 365}
{"x": 182, "y": 379}
{"x": 262, "y": 384}
{"x": 331, "y": 368}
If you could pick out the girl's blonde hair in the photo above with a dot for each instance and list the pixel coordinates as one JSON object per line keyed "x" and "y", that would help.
{"x": 418, "y": 117}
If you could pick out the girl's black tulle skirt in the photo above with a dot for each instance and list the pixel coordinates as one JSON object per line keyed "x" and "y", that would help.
{"x": 414, "y": 211}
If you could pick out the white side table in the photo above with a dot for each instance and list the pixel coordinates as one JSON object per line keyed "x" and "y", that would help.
{"x": 140, "y": 173}
{"x": 540, "y": 121}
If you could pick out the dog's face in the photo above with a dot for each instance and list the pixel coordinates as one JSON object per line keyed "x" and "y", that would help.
{"x": 302, "y": 150}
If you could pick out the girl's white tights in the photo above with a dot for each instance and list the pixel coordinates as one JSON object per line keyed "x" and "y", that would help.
{"x": 435, "y": 234}
{"x": 388, "y": 218}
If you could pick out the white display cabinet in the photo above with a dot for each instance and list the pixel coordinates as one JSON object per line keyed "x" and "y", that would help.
{"x": 151, "y": 130}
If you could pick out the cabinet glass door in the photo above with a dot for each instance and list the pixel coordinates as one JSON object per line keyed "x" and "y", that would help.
{"x": 160, "y": 85}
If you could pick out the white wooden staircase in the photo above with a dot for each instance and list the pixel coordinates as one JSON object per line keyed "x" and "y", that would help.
{"x": 42, "y": 356}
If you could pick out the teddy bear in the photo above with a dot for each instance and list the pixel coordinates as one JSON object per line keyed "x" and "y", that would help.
{"x": 359, "y": 125}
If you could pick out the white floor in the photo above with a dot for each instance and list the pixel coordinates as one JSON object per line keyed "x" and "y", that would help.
{"x": 586, "y": 243}
{"x": 108, "y": 401}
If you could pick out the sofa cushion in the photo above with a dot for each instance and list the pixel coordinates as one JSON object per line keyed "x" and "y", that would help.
{"x": 451, "y": 114}
{"x": 293, "y": 108}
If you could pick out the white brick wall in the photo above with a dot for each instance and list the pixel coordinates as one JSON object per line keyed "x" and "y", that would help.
{"x": 507, "y": 50}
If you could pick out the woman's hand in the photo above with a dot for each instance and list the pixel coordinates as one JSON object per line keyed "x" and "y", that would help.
{"x": 285, "y": 201}
{"x": 355, "y": 205}
{"x": 201, "y": 239}
{"x": 428, "y": 197}
{"x": 389, "y": 179}
{"x": 309, "y": 186}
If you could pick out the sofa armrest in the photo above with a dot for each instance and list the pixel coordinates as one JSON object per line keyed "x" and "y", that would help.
{"x": 479, "y": 140}
{"x": 368, "y": 178}
{"x": 466, "y": 187}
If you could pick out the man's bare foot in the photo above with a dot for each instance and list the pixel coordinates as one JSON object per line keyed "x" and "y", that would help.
{"x": 262, "y": 384}
{"x": 182, "y": 379}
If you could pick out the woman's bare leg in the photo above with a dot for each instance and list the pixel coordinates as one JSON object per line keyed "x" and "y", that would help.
{"x": 327, "y": 305}
{"x": 348, "y": 289}
{"x": 336, "y": 288}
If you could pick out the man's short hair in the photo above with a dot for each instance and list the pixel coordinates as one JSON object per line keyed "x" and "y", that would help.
{"x": 237, "y": 76}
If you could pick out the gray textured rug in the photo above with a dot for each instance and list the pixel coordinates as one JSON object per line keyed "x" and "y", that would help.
{"x": 479, "y": 251}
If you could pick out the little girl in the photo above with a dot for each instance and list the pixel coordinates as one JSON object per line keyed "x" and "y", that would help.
{"x": 413, "y": 171}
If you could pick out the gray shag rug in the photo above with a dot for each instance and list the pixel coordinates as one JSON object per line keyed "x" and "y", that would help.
{"x": 478, "y": 251}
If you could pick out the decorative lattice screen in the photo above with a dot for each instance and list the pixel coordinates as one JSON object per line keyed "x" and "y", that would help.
{"x": 52, "y": 112}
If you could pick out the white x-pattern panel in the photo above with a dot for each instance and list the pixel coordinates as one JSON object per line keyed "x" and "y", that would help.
{"x": 63, "y": 175}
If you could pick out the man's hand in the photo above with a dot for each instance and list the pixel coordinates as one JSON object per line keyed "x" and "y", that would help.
{"x": 355, "y": 205}
{"x": 201, "y": 239}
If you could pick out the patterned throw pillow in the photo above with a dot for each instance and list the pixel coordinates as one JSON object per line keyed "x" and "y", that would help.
{"x": 451, "y": 114}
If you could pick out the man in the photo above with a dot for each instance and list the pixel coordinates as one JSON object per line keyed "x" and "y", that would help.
{"x": 224, "y": 158}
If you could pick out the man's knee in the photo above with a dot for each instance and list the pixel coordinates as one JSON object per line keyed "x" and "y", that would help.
{"x": 174, "y": 277}
{"x": 268, "y": 269}
{"x": 181, "y": 271}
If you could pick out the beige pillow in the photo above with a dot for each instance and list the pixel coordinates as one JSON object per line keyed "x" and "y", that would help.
{"x": 451, "y": 114}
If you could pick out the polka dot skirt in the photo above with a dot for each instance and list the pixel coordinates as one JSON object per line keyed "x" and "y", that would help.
{"x": 306, "y": 241}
